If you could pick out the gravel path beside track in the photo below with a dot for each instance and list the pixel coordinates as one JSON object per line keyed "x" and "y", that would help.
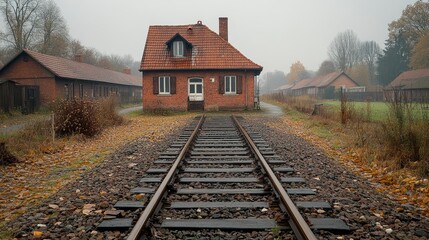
{"x": 371, "y": 215}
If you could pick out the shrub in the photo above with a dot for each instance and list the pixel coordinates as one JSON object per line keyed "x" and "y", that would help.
{"x": 76, "y": 116}
{"x": 85, "y": 117}
{"x": 106, "y": 112}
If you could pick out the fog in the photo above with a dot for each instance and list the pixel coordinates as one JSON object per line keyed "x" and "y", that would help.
{"x": 272, "y": 33}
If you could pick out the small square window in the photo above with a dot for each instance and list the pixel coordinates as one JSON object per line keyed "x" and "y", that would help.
{"x": 178, "y": 49}
{"x": 230, "y": 84}
{"x": 164, "y": 85}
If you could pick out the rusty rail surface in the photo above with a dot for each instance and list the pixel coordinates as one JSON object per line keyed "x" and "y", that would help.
{"x": 155, "y": 201}
{"x": 299, "y": 225}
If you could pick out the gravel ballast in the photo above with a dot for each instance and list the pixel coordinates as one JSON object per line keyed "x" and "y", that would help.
{"x": 76, "y": 210}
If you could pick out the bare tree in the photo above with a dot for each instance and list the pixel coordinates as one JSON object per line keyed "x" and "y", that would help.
{"x": 326, "y": 67}
{"x": 53, "y": 30}
{"x": 75, "y": 48}
{"x": 21, "y": 22}
{"x": 344, "y": 50}
{"x": 370, "y": 51}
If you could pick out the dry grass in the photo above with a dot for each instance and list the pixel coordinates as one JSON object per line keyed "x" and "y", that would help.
{"x": 400, "y": 141}
{"x": 40, "y": 174}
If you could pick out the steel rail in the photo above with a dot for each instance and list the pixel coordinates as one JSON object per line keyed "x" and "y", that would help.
{"x": 155, "y": 201}
{"x": 298, "y": 224}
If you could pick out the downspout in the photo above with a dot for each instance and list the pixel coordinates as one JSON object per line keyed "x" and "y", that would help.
{"x": 245, "y": 82}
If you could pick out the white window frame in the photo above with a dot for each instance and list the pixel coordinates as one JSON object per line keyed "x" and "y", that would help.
{"x": 178, "y": 49}
{"x": 229, "y": 84}
{"x": 166, "y": 86}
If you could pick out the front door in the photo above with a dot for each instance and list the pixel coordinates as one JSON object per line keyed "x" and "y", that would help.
{"x": 196, "y": 94}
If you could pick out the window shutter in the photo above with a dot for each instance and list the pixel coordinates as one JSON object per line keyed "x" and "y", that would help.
{"x": 155, "y": 85}
{"x": 172, "y": 85}
{"x": 221, "y": 85}
{"x": 239, "y": 85}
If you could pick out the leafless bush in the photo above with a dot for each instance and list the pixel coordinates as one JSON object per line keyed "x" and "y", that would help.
{"x": 405, "y": 132}
{"x": 76, "y": 116}
{"x": 106, "y": 112}
{"x": 79, "y": 116}
{"x": 347, "y": 111}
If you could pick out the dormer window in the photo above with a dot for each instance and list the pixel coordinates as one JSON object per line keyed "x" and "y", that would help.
{"x": 178, "y": 49}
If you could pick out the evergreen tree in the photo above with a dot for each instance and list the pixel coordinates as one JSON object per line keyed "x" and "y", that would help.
{"x": 394, "y": 60}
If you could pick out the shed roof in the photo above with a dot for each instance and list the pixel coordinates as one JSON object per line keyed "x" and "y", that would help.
{"x": 209, "y": 50}
{"x": 320, "y": 81}
{"x": 66, "y": 68}
{"x": 285, "y": 87}
{"x": 302, "y": 84}
{"x": 414, "y": 79}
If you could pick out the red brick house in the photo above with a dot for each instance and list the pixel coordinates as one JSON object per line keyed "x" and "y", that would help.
{"x": 189, "y": 67}
{"x": 320, "y": 86}
{"x": 59, "y": 78}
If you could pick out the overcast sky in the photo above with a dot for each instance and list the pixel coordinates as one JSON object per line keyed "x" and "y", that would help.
{"x": 272, "y": 33}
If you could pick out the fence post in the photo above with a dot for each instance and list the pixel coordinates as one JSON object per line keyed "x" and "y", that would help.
{"x": 53, "y": 126}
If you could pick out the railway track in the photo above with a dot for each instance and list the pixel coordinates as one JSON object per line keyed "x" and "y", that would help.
{"x": 218, "y": 180}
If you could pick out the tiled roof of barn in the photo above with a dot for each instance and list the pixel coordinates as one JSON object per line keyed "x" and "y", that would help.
{"x": 66, "y": 68}
{"x": 320, "y": 81}
{"x": 209, "y": 51}
{"x": 414, "y": 79}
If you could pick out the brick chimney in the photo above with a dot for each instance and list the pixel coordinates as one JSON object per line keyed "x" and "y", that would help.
{"x": 223, "y": 28}
{"x": 127, "y": 71}
{"x": 78, "y": 58}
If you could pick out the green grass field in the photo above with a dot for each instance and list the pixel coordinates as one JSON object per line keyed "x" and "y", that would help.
{"x": 379, "y": 111}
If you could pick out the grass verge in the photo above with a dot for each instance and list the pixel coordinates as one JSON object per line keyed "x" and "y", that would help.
{"x": 360, "y": 147}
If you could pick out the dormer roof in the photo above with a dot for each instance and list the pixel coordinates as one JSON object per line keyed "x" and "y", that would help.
{"x": 209, "y": 50}
{"x": 178, "y": 37}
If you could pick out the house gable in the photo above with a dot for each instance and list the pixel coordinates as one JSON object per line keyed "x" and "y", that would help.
{"x": 23, "y": 66}
{"x": 209, "y": 50}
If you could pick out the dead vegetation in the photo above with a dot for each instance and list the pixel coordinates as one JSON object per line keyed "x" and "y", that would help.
{"x": 392, "y": 154}
{"x": 400, "y": 141}
{"x": 5, "y": 156}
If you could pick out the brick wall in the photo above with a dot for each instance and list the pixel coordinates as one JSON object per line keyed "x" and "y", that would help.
{"x": 343, "y": 81}
{"x": 212, "y": 98}
{"x": 25, "y": 71}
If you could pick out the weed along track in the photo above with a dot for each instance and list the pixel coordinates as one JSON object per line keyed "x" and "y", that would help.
{"x": 219, "y": 181}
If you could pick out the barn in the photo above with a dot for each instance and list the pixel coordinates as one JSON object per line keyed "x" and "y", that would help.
{"x": 324, "y": 86}
{"x": 413, "y": 84}
{"x": 190, "y": 67}
{"x": 59, "y": 78}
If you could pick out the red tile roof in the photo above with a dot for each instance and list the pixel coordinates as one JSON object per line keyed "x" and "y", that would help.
{"x": 302, "y": 84}
{"x": 320, "y": 81}
{"x": 66, "y": 68}
{"x": 412, "y": 79}
{"x": 209, "y": 51}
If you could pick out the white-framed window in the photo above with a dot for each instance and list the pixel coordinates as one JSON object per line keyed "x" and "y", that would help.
{"x": 230, "y": 84}
{"x": 178, "y": 49}
{"x": 164, "y": 85}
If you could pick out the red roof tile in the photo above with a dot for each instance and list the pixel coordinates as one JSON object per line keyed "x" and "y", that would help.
{"x": 66, "y": 68}
{"x": 319, "y": 81}
{"x": 409, "y": 78}
{"x": 209, "y": 50}
{"x": 302, "y": 83}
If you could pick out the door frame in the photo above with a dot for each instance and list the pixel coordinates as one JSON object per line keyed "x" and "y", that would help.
{"x": 202, "y": 88}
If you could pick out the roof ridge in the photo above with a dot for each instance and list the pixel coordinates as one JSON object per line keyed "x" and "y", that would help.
{"x": 34, "y": 55}
{"x": 74, "y": 62}
{"x": 211, "y": 50}
{"x": 231, "y": 45}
